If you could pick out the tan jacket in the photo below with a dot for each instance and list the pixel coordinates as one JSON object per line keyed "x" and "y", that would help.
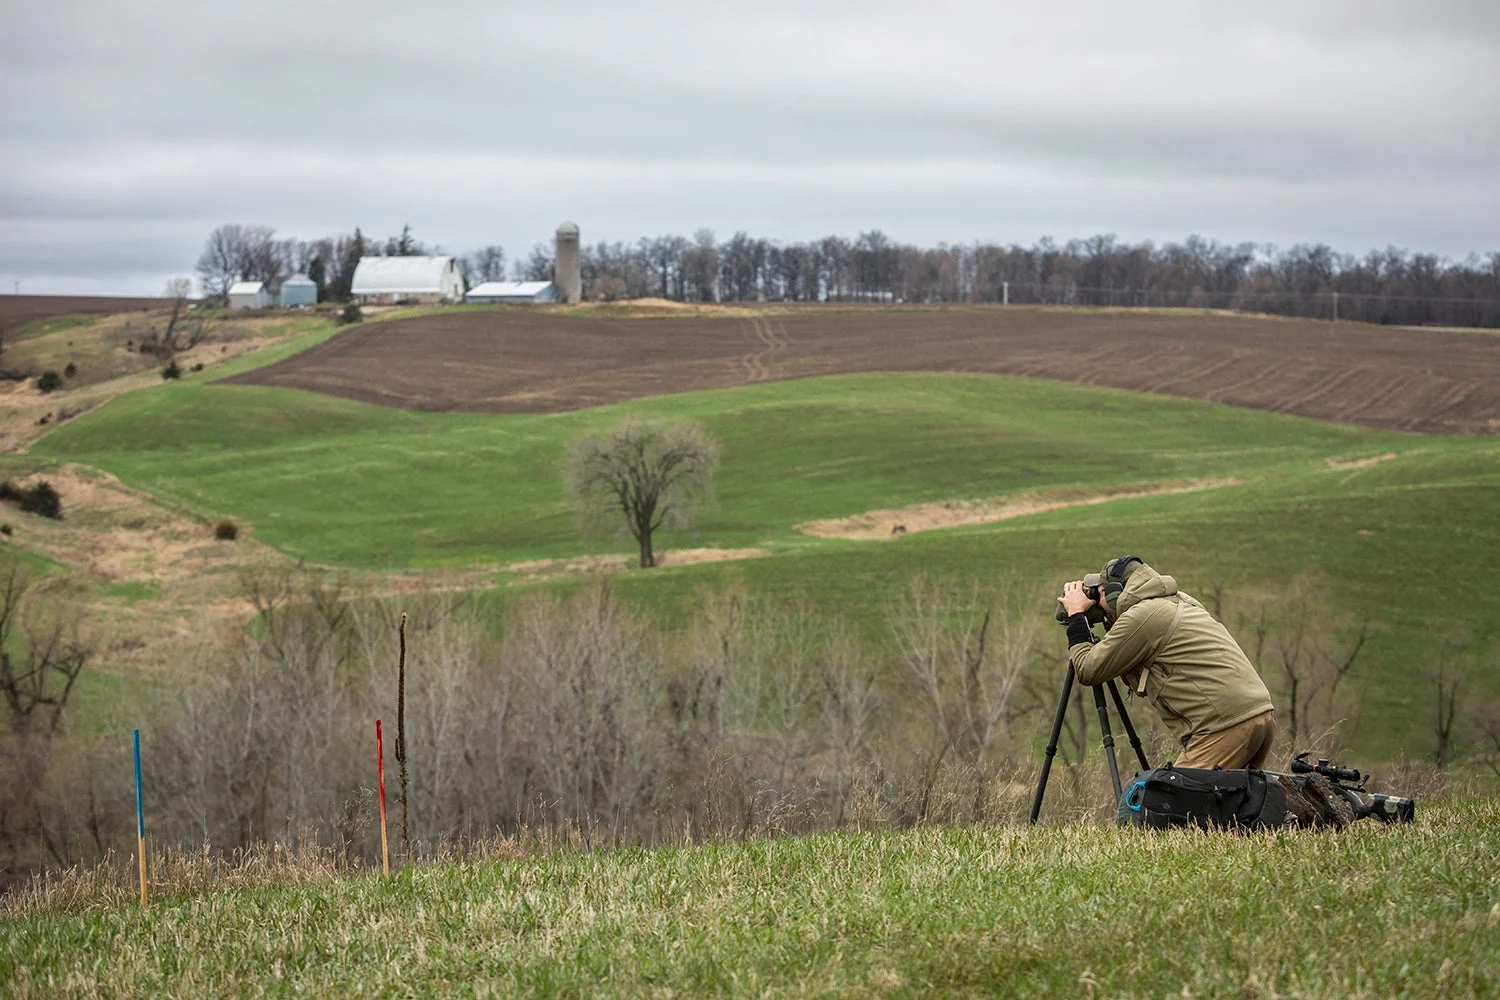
{"x": 1167, "y": 648}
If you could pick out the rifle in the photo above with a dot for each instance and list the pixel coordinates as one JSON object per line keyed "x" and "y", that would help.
{"x": 1350, "y": 784}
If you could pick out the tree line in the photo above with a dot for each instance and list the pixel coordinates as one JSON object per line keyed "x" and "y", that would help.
{"x": 1391, "y": 286}
{"x": 1388, "y": 286}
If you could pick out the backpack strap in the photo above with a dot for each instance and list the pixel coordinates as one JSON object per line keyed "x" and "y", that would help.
{"x": 1171, "y": 631}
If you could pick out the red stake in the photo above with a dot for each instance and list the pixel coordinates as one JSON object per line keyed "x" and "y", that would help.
{"x": 385, "y": 851}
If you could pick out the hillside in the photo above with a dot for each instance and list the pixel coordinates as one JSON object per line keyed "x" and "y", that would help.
{"x": 1253, "y": 501}
{"x": 511, "y": 360}
{"x": 18, "y": 310}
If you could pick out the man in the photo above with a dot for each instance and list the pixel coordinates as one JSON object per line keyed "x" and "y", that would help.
{"x": 1167, "y": 648}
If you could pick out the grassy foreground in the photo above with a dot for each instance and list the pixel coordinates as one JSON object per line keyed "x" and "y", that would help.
{"x": 1059, "y": 911}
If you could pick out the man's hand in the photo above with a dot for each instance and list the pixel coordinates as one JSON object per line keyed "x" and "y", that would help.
{"x": 1074, "y": 600}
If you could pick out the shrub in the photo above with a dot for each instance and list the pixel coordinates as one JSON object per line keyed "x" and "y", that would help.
{"x": 42, "y": 499}
{"x": 71, "y": 371}
{"x": 173, "y": 370}
{"x": 198, "y": 367}
{"x": 49, "y": 381}
{"x": 10, "y": 491}
{"x": 5, "y": 528}
{"x": 351, "y": 314}
{"x": 226, "y": 530}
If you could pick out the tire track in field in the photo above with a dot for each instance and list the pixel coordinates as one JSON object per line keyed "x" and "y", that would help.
{"x": 762, "y": 365}
{"x": 750, "y": 363}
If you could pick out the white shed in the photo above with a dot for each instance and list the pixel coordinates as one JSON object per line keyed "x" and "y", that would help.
{"x": 513, "y": 291}
{"x": 299, "y": 290}
{"x": 387, "y": 280}
{"x": 249, "y": 295}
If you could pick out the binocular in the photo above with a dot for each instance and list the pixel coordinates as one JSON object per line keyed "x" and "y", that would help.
{"x": 1095, "y": 614}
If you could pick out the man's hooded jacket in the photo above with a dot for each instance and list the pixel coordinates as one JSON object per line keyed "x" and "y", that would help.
{"x": 1167, "y": 648}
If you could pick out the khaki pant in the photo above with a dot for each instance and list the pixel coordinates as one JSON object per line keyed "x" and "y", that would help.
{"x": 1244, "y": 744}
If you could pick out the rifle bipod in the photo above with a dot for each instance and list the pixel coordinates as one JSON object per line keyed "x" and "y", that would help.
{"x": 1109, "y": 739}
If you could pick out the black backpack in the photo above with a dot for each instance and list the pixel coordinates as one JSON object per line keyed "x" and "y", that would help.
{"x": 1209, "y": 799}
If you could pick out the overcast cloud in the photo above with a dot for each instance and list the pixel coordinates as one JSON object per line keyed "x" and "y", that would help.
{"x": 129, "y": 130}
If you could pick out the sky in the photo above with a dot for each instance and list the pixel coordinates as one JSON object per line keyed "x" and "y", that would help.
{"x": 129, "y": 130}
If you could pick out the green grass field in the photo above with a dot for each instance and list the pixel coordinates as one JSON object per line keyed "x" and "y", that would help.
{"x": 423, "y": 489}
{"x": 1055, "y": 911}
{"x": 1406, "y": 542}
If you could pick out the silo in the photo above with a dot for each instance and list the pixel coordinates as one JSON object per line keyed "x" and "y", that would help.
{"x": 568, "y": 281}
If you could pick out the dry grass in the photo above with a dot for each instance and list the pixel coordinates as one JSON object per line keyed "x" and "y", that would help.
{"x": 883, "y": 524}
{"x": 585, "y": 565}
{"x": 108, "y": 365}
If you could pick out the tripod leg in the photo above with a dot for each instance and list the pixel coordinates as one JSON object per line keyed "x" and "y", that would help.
{"x": 1057, "y": 724}
{"x": 1109, "y": 740}
{"x": 1135, "y": 741}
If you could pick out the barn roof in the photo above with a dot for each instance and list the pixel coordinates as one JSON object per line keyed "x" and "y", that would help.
{"x": 399, "y": 275}
{"x": 246, "y": 287}
{"x": 298, "y": 279}
{"x": 515, "y": 289}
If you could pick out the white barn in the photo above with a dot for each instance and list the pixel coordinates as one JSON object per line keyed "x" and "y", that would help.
{"x": 249, "y": 295}
{"x": 513, "y": 291}
{"x": 387, "y": 280}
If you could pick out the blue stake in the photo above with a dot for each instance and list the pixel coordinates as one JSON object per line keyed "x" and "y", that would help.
{"x": 140, "y": 817}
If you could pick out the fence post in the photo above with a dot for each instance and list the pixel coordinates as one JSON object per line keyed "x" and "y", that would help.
{"x": 140, "y": 818}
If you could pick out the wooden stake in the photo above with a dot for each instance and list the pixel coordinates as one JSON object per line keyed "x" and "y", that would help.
{"x": 140, "y": 818}
{"x": 401, "y": 742}
{"x": 385, "y": 849}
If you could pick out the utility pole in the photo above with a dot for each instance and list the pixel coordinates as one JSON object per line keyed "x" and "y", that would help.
{"x": 1335, "y": 306}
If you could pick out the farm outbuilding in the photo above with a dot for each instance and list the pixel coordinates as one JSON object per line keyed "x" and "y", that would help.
{"x": 388, "y": 280}
{"x": 513, "y": 291}
{"x": 299, "y": 290}
{"x": 566, "y": 270}
{"x": 249, "y": 295}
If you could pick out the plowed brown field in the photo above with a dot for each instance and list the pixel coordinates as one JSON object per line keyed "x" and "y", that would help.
{"x": 18, "y": 309}
{"x": 514, "y": 360}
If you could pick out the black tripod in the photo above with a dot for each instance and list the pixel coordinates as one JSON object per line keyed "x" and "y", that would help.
{"x": 1109, "y": 740}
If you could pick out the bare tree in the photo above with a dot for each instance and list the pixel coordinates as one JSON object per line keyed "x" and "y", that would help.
{"x": 700, "y": 267}
{"x": 485, "y": 264}
{"x": 646, "y": 473}
{"x": 1307, "y": 651}
{"x": 242, "y": 253}
{"x": 965, "y": 655}
{"x": 184, "y": 329}
{"x": 220, "y": 262}
{"x": 40, "y": 665}
{"x": 538, "y": 265}
{"x": 1484, "y": 719}
{"x": 588, "y": 672}
{"x": 850, "y": 704}
{"x": 1445, "y": 677}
